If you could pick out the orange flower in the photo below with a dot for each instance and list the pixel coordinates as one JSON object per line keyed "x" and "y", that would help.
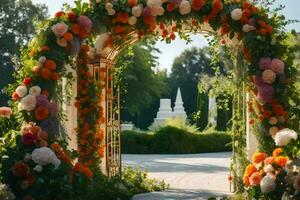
{"x": 259, "y": 157}
{"x": 197, "y": 4}
{"x": 78, "y": 167}
{"x": 170, "y": 7}
{"x": 250, "y": 169}
{"x": 75, "y": 29}
{"x": 55, "y": 76}
{"x": 20, "y": 169}
{"x": 247, "y": 54}
{"x": 41, "y": 113}
{"x": 122, "y": 17}
{"x": 246, "y": 181}
{"x": 217, "y": 6}
{"x": 246, "y": 5}
{"x": 45, "y": 48}
{"x": 45, "y": 73}
{"x": 132, "y": 2}
{"x": 83, "y": 34}
{"x": 55, "y": 147}
{"x": 255, "y": 178}
{"x": 269, "y": 160}
{"x": 101, "y": 151}
{"x": 149, "y": 20}
{"x": 50, "y": 64}
{"x": 87, "y": 172}
{"x": 277, "y": 152}
{"x": 68, "y": 36}
{"x": 281, "y": 161}
{"x": 278, "y": 109}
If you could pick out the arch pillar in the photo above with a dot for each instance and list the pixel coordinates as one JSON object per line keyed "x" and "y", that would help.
{"x": 251, "y": 141}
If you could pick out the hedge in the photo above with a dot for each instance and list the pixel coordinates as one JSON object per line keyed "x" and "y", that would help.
{"x": 171, "y": 140}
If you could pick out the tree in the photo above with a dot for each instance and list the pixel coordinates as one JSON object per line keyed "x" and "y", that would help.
{"x": 141, "y": 85}
{"x": 17, "y": 25}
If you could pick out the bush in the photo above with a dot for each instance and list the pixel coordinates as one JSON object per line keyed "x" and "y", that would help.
{"x": 172, "y": 140}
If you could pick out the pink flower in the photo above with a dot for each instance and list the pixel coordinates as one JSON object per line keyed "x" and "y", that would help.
{"x": 5, "y": 111}
{"x": 265, "y": 92}
{"x": 268, "y": 76}
{"x": 255, "y": 178}
{"x": 59, "y": 29}
{"x": 265, "y": 63}
{"x": 147, "y": 12}
{"x": 85, "y": 23}
{"x": 277, "y": 66}
{"x": 29, "y": 138}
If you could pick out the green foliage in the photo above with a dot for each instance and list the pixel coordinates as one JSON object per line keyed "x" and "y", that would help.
{"x": 174, "y": 140}
{"x": 176, "y": 123}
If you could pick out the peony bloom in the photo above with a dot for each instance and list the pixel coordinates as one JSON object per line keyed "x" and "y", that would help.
{"x": 41, "y": 113}
{"x": 296, "y": 184}
{"x": 185, "y": 7}
{"x": 268, "y": 76}
{"x": 28, "y": 138}
{"x": 28, "y": 103}
{"x": 267, "y": 184}
{"x": 259, "y": 157}
{"x": 21, "y": 91}
{"x": 59, "y": 29}
{"x": 277, "y": 66}
{"x": 265, "y": 63}
{"x": 284, "y": 136}
{"x": 5, "y": 111}
{"x": 255, "y": 178}
{"x": 137, "y": 10}
{"x": 236, "y": 14}
{"x": 35, "y": 90}
{"x": 247, "y": 28}
{"x": 132, "y": 20}
{"x": 20, "y": 169}
{"x": 85, "y": 23}
{"x": 265, "y": 92}
{"x": 43, "y": 156}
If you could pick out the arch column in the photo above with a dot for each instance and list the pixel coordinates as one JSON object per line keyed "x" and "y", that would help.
{"x": 251, "y": 141}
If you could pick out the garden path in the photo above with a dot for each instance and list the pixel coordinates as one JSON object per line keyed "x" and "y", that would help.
{"x": 191, "y": 176}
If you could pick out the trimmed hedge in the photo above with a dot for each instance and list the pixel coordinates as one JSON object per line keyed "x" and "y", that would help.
{"x": 171, "y": 140}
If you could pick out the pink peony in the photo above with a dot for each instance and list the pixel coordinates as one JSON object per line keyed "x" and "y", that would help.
{"x": 29, "y": 138}
{"x": 147, "y": 12}
{"x": 268, "y": 76}
{"x": 5, "y": 111}
{"x": 59, "y": 29}
{"x": 265, "y": 92}
{"x": 265, "y": 63}
{"x": 277, "y": 66}
{"x": 85, "y": 23}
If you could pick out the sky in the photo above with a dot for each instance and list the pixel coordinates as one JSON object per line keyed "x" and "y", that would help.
{"x": 170, "y": 51}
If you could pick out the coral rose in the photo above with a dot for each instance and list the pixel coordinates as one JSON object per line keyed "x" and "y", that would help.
{"x": 255, "y": 178}
{"x": 250, "y": 169}
{"x": 259, "y": 157}
{"x": 269, "y": 160}
{"x": 5, "y": 111}
{"x": 246, "y": 181}
{"x": 41, "y": 113}
{"x": 236, "y": 14}
{"x": 20, "y": 169}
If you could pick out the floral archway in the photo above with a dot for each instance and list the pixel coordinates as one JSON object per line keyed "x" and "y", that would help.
{"x": 41, "y": 148}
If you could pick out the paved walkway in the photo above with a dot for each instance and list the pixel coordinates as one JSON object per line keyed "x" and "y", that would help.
{"x": 191, "y": 176}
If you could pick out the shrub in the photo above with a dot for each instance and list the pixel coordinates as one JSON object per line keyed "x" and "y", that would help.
{"x": 175, "y": 122}
{"x": 172, "y": 140}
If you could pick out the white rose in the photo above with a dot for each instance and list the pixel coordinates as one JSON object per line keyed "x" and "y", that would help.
{"x": 154, "y": 3}
{"x": 267, "y": 184}
{"x": 132, "y": 20}
{"x": 28, "y": 103}
{"x": 38, "y": 168}
{"x": 35, "y": 90}
{"x": 137, "y": 10}
{"x": 185, "y": 7}
{"x": 269, "y": 168}
{"x": 111, "y": 12}
{"x": 43, "y": 156}
{"x": 247, "y": 28}
{"x": 268, "y": 76}
{"x": 42, "y": 59}
{"x": 100, "y": 41}
{"x": 21, "y": 90}
{"x": 108, "y": 6}
{"x": 237, "y": 14}
{"x": 284, "y": 136}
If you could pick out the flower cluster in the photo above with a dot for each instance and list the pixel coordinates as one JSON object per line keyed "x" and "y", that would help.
{"x": 268, "y": 173}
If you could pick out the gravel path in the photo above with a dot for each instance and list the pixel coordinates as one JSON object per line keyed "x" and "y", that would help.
{"x": 191, "y": 176}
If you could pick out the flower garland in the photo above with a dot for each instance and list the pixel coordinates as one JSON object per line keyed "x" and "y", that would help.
{"x": 44, "y": 63}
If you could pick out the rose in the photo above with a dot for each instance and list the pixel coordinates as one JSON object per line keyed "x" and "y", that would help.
{"x": 248, "y": 28}
{"x": 5, "y": 111}
{"x": 28, "y": 103}
{"x": 277, "y": 66}
{"x": 59, "y": 29}
{"x": 21, "y": 91}
{"x": 137, "y": 10}
{"x": 185, "y": 7}
{"x": 35, "y": 90}
{"x": 132, "y": 20}
{"x": 265, "y": 63}
{"x": 28, "y": 138}
{"x": 255, "y": 178}
{"x": 268, "y": 184}
{"x": 20, "y": 169}
{"x": 236, "y": 14}
{"x": 85, "y": 23}
{"x": 268, "y": 76}
{"x": 284, "y": 136}
{"x": 147, "y": 11}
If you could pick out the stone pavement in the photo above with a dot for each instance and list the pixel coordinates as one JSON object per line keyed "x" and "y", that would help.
{"x": 191, "y": 176}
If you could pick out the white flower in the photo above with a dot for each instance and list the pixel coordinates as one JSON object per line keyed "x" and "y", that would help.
{"x": 248, "y": 27}
{"x": 154, "y": 3}
{"x": 236, "y": 14}
{"x": 267, "y": 184}
{"x": 28, "y": 103}
{"x": 269, "y": 168}
{"x": 43, "y": 156}
{"x": 273, "y": 121}
{"x": 268, "y": 76}
{"x": 132, "y": 20}
{"x": 185, "y": 7}
{"x": 108, "y": 6}
{"x": 137, "y": 10}
{"x": 38, "y": 168}
{"x": 111, "y": 12}
{"x": 284, "y": 136}
{"x": 42, "y": 59}
{"x": 27, "y": 157}
{"x": 35, "y": 90}
{"x": 59, "y": 29}
{"x": 100, "y": 41}
{"x": 21, "y": 90}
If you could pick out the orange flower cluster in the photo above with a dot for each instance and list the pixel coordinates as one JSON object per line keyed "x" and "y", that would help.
{"x": 47, "y": 71}
{"x": 83, "y": 170}
{"x": 61, "y": 154}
